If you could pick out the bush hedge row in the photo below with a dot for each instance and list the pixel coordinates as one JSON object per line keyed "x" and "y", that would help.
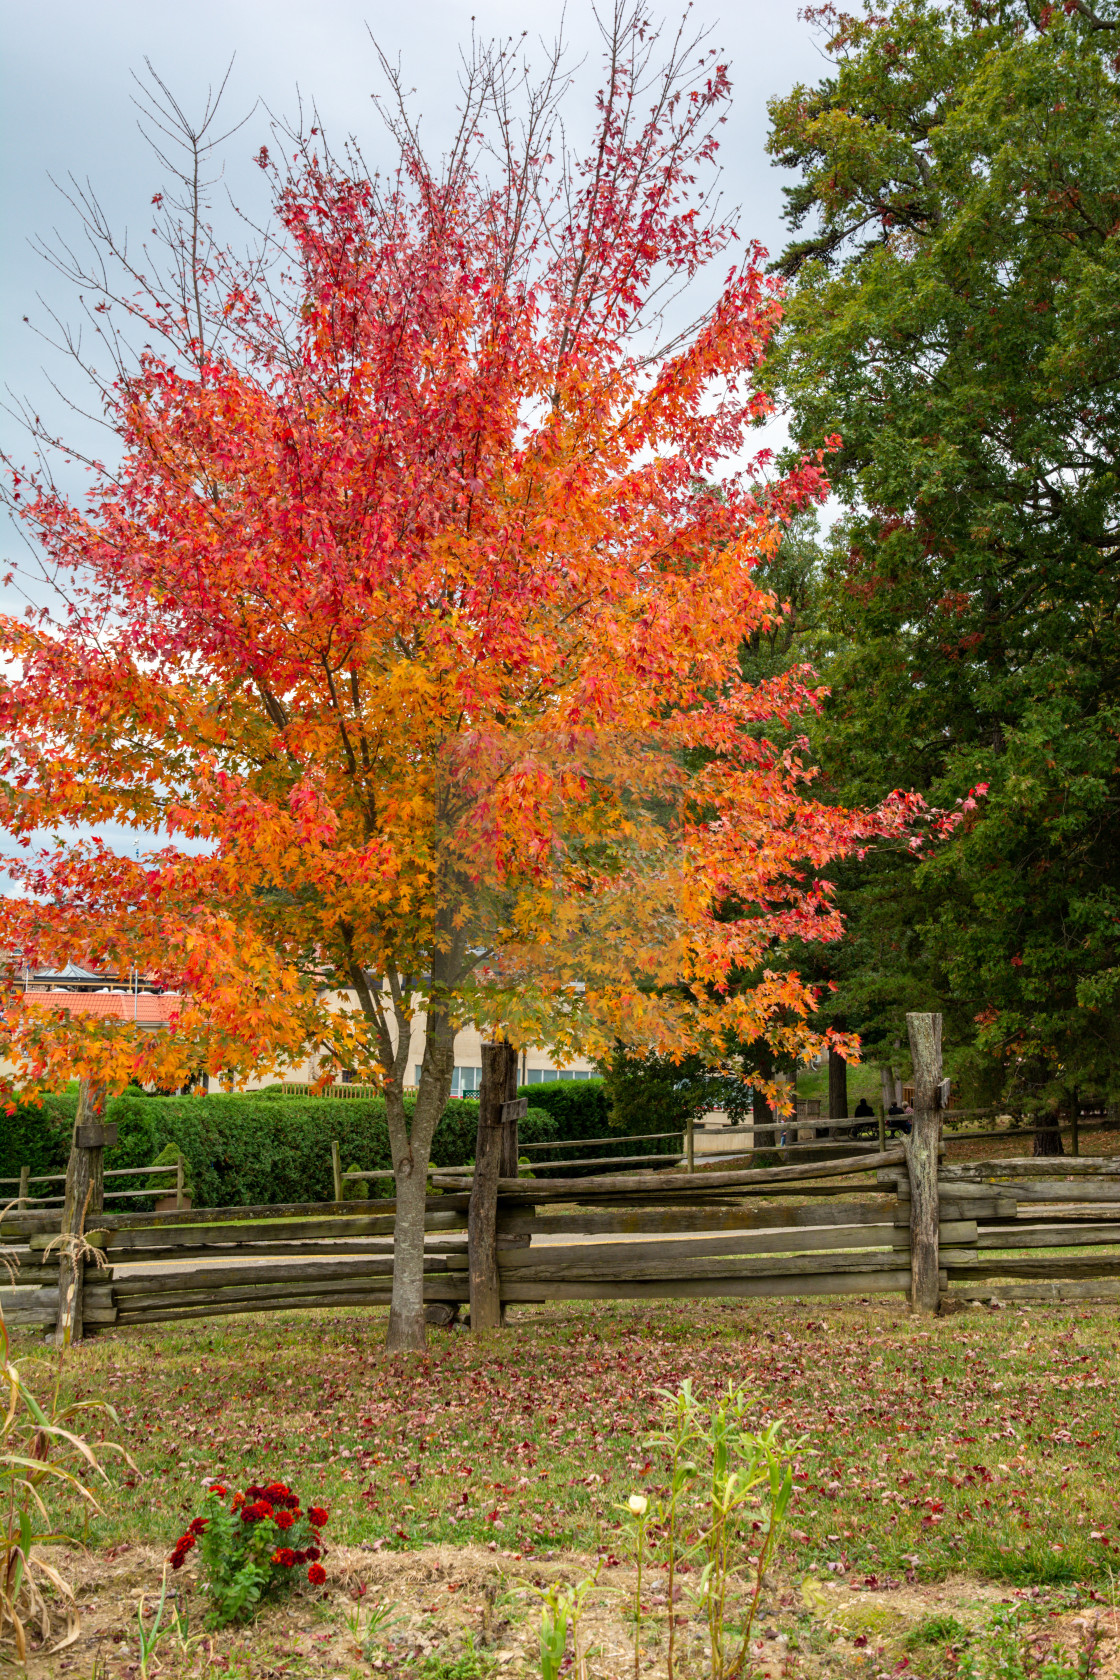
{"x": 258, "y": 1148}
{"x": 244, "y": 1151}
{"x": 583, "y": 1108}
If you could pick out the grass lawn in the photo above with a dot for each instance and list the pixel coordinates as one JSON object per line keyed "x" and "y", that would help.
{"x": 987, "y": 1442}
{"x": 979, "y": 1448}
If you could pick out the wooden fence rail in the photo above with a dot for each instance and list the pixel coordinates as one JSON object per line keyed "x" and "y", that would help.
{"x": 903, "y": 1219}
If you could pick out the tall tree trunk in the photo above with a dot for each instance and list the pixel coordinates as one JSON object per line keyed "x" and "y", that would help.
{"x": 886, "y": 1086}
{"x": 412, "y": 1149}
{"x": 1047, "y": 1136}
{"x": 411, "y": 1145}
{"x": 762, "y": 1113}
{"x": 837, "y": 1087}
{"x": 407, "y": 1328}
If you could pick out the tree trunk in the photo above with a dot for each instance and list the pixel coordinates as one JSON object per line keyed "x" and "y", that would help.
{"x": 765, "y": 1137}
{"x": 412, "y": 1148}
{"x": 1047, "y": 1135}
{"x": 837, "y": 1087}
{"x": 886, "y": 1086}
{"x": 407, "y": 1327}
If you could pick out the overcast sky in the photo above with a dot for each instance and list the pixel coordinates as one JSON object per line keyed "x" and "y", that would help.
{"x": 66, "y": 110}
{"x": 67, "y": 86}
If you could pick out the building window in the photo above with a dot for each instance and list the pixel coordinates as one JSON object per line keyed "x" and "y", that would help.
{"x": 465, "y": 1081}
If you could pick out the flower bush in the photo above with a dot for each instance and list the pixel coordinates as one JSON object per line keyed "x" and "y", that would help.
{"x": 251, "y": 1545}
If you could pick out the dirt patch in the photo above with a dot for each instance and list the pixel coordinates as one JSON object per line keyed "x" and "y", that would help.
{"x": 473, "y": 1613}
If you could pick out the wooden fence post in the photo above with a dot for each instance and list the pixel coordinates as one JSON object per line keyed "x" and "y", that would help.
{"x": 179, "y": 1183}
{"x": 510, "y": 1116}
{"x": 882, "y": 1128}
{"x": 85, "y": 1194}
{"x": 690, "y": 1145}
{"x": 336, "y": 1170}
{"x": 482, "y": 1214}
{"x": 922, "y": 1157}
{"x": 24, "y": 1187}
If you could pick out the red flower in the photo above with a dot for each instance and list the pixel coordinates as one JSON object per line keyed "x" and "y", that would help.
{"x": 237, "y": 1501}
{"x": 285, "y": 1557}
{"x": 198, "y": 1525}
{"x": 316, "y": 1574}
{"x": 216, "y": 1487}
{"x": 182, "y": 1547}
{"x": 301, "y": 1557}
{"x": 317, "y": 1517}
{"x": 276, "y": 1491}
{"x": 312, "y": 1553}
{"x": 284, "y": 1519}
{"x": 258, "y": 1511}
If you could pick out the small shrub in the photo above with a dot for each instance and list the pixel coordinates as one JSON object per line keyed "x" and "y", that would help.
{"x": 163, "y": 1184}
{"x": 251, "y": 1546}
{"x": 355, "y": 1189}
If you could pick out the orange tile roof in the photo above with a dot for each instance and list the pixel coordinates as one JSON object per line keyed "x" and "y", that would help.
{"x": 122, "y": 1006}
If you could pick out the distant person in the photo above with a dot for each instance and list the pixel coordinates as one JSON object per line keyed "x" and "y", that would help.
{"x": 864, "y": 1110}
{"x": 898, "y": 1118}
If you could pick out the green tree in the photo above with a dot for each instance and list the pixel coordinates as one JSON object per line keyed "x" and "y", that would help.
{"x": 954, "y": 315}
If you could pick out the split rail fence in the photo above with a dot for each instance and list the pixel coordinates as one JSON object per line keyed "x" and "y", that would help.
{"x": 859, "y": 1223}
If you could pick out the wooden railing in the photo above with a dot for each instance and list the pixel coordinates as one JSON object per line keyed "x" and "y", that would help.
{"x": 24, "y": 1199}
{"x": 942, "y": 1232}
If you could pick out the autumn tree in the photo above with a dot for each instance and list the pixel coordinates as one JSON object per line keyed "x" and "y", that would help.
{"x": 410, "y": 619}
{"x": 952, "y": 315}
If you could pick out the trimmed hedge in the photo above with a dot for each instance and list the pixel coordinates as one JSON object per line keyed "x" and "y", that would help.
{"x": 581, "y": 1108}
{"x": 245, "y": 1151}
{"x": 37, "y": 1135}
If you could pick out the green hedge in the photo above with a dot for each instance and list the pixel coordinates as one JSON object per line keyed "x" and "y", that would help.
{"x": 36, "y": 1135}
{"x": 581, "y": 1108}
{"x": 245, "y": 1151}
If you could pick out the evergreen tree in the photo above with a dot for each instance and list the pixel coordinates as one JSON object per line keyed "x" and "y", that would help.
{"x": 954, "y": 315}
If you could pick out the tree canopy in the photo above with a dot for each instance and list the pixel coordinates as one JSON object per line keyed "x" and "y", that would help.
{"x": 954, "y": 318}
{"x": 409, "y": 600}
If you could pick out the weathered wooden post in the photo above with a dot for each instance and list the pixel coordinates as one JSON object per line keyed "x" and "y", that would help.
{"x": 336, "y": 1170}
{"x": 85, "y": 1194}
{"x": 482, "y": 1214}
{"x": 513, "y": 1110}
{"x": 179, "y": 1183}
{"x": 24, "y": 1187}
{"x": 923, "y": 1148}
{"x": 882, "y": 1127}
{"x": 690, "y": 1145}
